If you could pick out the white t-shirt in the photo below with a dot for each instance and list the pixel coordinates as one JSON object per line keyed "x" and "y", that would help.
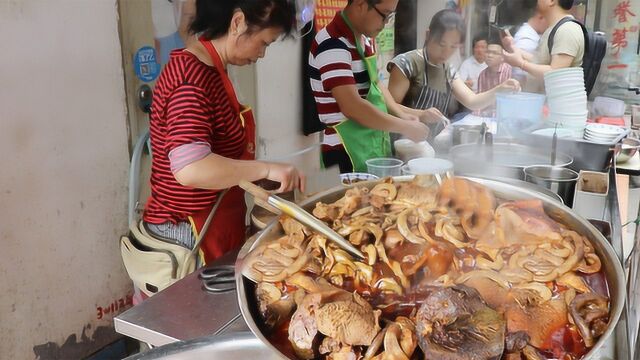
{"x": 470, "y": 70}
{"x": 526, "y": 39}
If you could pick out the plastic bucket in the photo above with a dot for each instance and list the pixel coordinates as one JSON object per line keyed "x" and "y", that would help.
{"x": 518, "y": 113}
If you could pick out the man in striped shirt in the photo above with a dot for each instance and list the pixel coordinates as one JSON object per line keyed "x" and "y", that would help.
{"x": 340, "y": 82}
{"x": 496, "y": 73}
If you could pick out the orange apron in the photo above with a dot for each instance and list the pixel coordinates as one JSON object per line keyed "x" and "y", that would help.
{"x": 227, "y": 230}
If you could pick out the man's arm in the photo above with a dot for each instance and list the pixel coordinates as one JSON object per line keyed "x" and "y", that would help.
{"x": 366, "y": 114}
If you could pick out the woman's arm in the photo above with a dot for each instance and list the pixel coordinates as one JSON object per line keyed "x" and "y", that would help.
{"x": 217, "y": 172}
{"x": 480, "y": 101}
{"x": 398, "y": 84}
{"x": 398, "y": 88}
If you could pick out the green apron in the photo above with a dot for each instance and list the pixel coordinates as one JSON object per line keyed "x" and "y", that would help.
{"x": 362, "y": 143}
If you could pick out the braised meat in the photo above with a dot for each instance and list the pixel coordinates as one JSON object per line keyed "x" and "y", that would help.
{"x": 455, "y": 324}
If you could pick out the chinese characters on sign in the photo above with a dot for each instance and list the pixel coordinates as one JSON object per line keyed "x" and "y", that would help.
{"x": 626, "y": 24}
{"x": 326, "y": 10}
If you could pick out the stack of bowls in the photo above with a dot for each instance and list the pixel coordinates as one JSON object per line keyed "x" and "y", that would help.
{"x": 567, "y": 99}
{"x": 602, "y": 133}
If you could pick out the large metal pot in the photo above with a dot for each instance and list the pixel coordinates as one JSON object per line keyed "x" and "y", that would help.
{"x": 501, "y": 160}
{"x": 611, "y": 265}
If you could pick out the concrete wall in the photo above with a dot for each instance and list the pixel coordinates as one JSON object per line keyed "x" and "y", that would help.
{"x": 279, "y": 107}
{"x": 426, "y": 10}
{"x": 63, "y": 145}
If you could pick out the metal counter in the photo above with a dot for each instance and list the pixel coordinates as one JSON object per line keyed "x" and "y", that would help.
{"x": 183, "y": 311}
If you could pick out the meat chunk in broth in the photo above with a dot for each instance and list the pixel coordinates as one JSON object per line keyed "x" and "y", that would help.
{"x": 345, "y": 319}
{"x": 455, "y": 324}
{"x": 350, "y": 322}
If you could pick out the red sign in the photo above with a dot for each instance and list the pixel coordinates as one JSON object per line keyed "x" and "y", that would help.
{"x": 622, "y": 10}
{"x": 326, "y": 10}
{"x": 622, "y": 13}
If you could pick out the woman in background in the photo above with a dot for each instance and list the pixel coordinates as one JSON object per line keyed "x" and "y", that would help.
{"x": 422, "y": 79}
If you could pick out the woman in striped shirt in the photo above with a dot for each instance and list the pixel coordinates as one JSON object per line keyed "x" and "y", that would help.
{"x": 203, "y": 140}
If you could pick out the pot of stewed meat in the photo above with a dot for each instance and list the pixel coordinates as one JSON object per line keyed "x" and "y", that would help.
{"x": 466, "y": 269}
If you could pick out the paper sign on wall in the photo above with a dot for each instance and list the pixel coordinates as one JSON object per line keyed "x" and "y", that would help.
{"x": 145, "y": 64}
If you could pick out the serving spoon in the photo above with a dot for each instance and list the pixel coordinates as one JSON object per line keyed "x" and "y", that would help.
{"x": 273, "y": 202}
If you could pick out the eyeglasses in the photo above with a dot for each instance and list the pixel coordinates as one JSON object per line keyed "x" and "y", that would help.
{"x": 385, "y": 17}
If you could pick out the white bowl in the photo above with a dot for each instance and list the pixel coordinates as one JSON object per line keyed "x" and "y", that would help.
{"x": 562, "y": 93}
{"x": 429, "y": 166}
{"x": 605, "y": 129}
{"x": 407, "y": 149}
{"x": 564, "y": 72}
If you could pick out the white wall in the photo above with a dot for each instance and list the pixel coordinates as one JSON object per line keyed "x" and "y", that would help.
{"x": 279, "y": 107}
{"x": 426, "y": 10}
{"x": 64, "y": 164}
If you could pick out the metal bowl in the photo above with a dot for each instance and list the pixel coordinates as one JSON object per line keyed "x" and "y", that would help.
{"x": 610, "y": 263}
{"x": 629, "y": 148}
{"x": 561, "y": 181}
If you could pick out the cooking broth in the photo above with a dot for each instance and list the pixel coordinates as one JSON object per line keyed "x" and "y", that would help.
{"x": 433, "y": 264}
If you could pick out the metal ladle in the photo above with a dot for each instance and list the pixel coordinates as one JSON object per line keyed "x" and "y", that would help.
{"x": 263, "y": 197}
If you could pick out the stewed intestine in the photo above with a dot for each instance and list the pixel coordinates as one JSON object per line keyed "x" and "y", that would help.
{"x": 535, "y": 275}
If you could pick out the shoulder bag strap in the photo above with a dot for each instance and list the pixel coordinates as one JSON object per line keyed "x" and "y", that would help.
{"x": 560, "y": 23}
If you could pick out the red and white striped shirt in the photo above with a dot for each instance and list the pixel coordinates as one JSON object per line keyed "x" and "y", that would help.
{"x": 334, "y": 61}
{"x": 190, "y": 106}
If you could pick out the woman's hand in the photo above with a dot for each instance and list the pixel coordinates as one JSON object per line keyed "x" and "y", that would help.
{"x": 416, "y": 131}
{"x": 432, "y": 116}
{"x": 287, "y": 175}
{"x": 511, "y": 85}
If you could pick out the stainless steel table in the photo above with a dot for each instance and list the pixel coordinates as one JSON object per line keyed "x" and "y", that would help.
{"x": 183, "y": 311}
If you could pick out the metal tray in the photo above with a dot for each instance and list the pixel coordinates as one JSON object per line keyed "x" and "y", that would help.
{"x": 586, "y": 155}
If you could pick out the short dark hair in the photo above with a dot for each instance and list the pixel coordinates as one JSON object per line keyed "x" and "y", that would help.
{"x": 446, "y": 20}
{"x": 494, "y": 39}
{"x": 566, "y": 4}
{"x": 213, "y": 17}
{"x": 478, "y": 38}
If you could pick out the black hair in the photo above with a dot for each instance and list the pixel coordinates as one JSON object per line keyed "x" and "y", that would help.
{"x": 566, "y": 4}
{"x": 213, "y": 17}
{"x": 478, "y": 38}
{"x": 443, "y": 21}
{"x": 494, "y": 39}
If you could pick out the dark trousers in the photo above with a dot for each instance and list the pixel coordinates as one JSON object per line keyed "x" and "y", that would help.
{"x": 337, "y": 157}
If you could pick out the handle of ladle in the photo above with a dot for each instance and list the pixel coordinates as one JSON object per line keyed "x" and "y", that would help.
{"x": 260, "y": 195}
